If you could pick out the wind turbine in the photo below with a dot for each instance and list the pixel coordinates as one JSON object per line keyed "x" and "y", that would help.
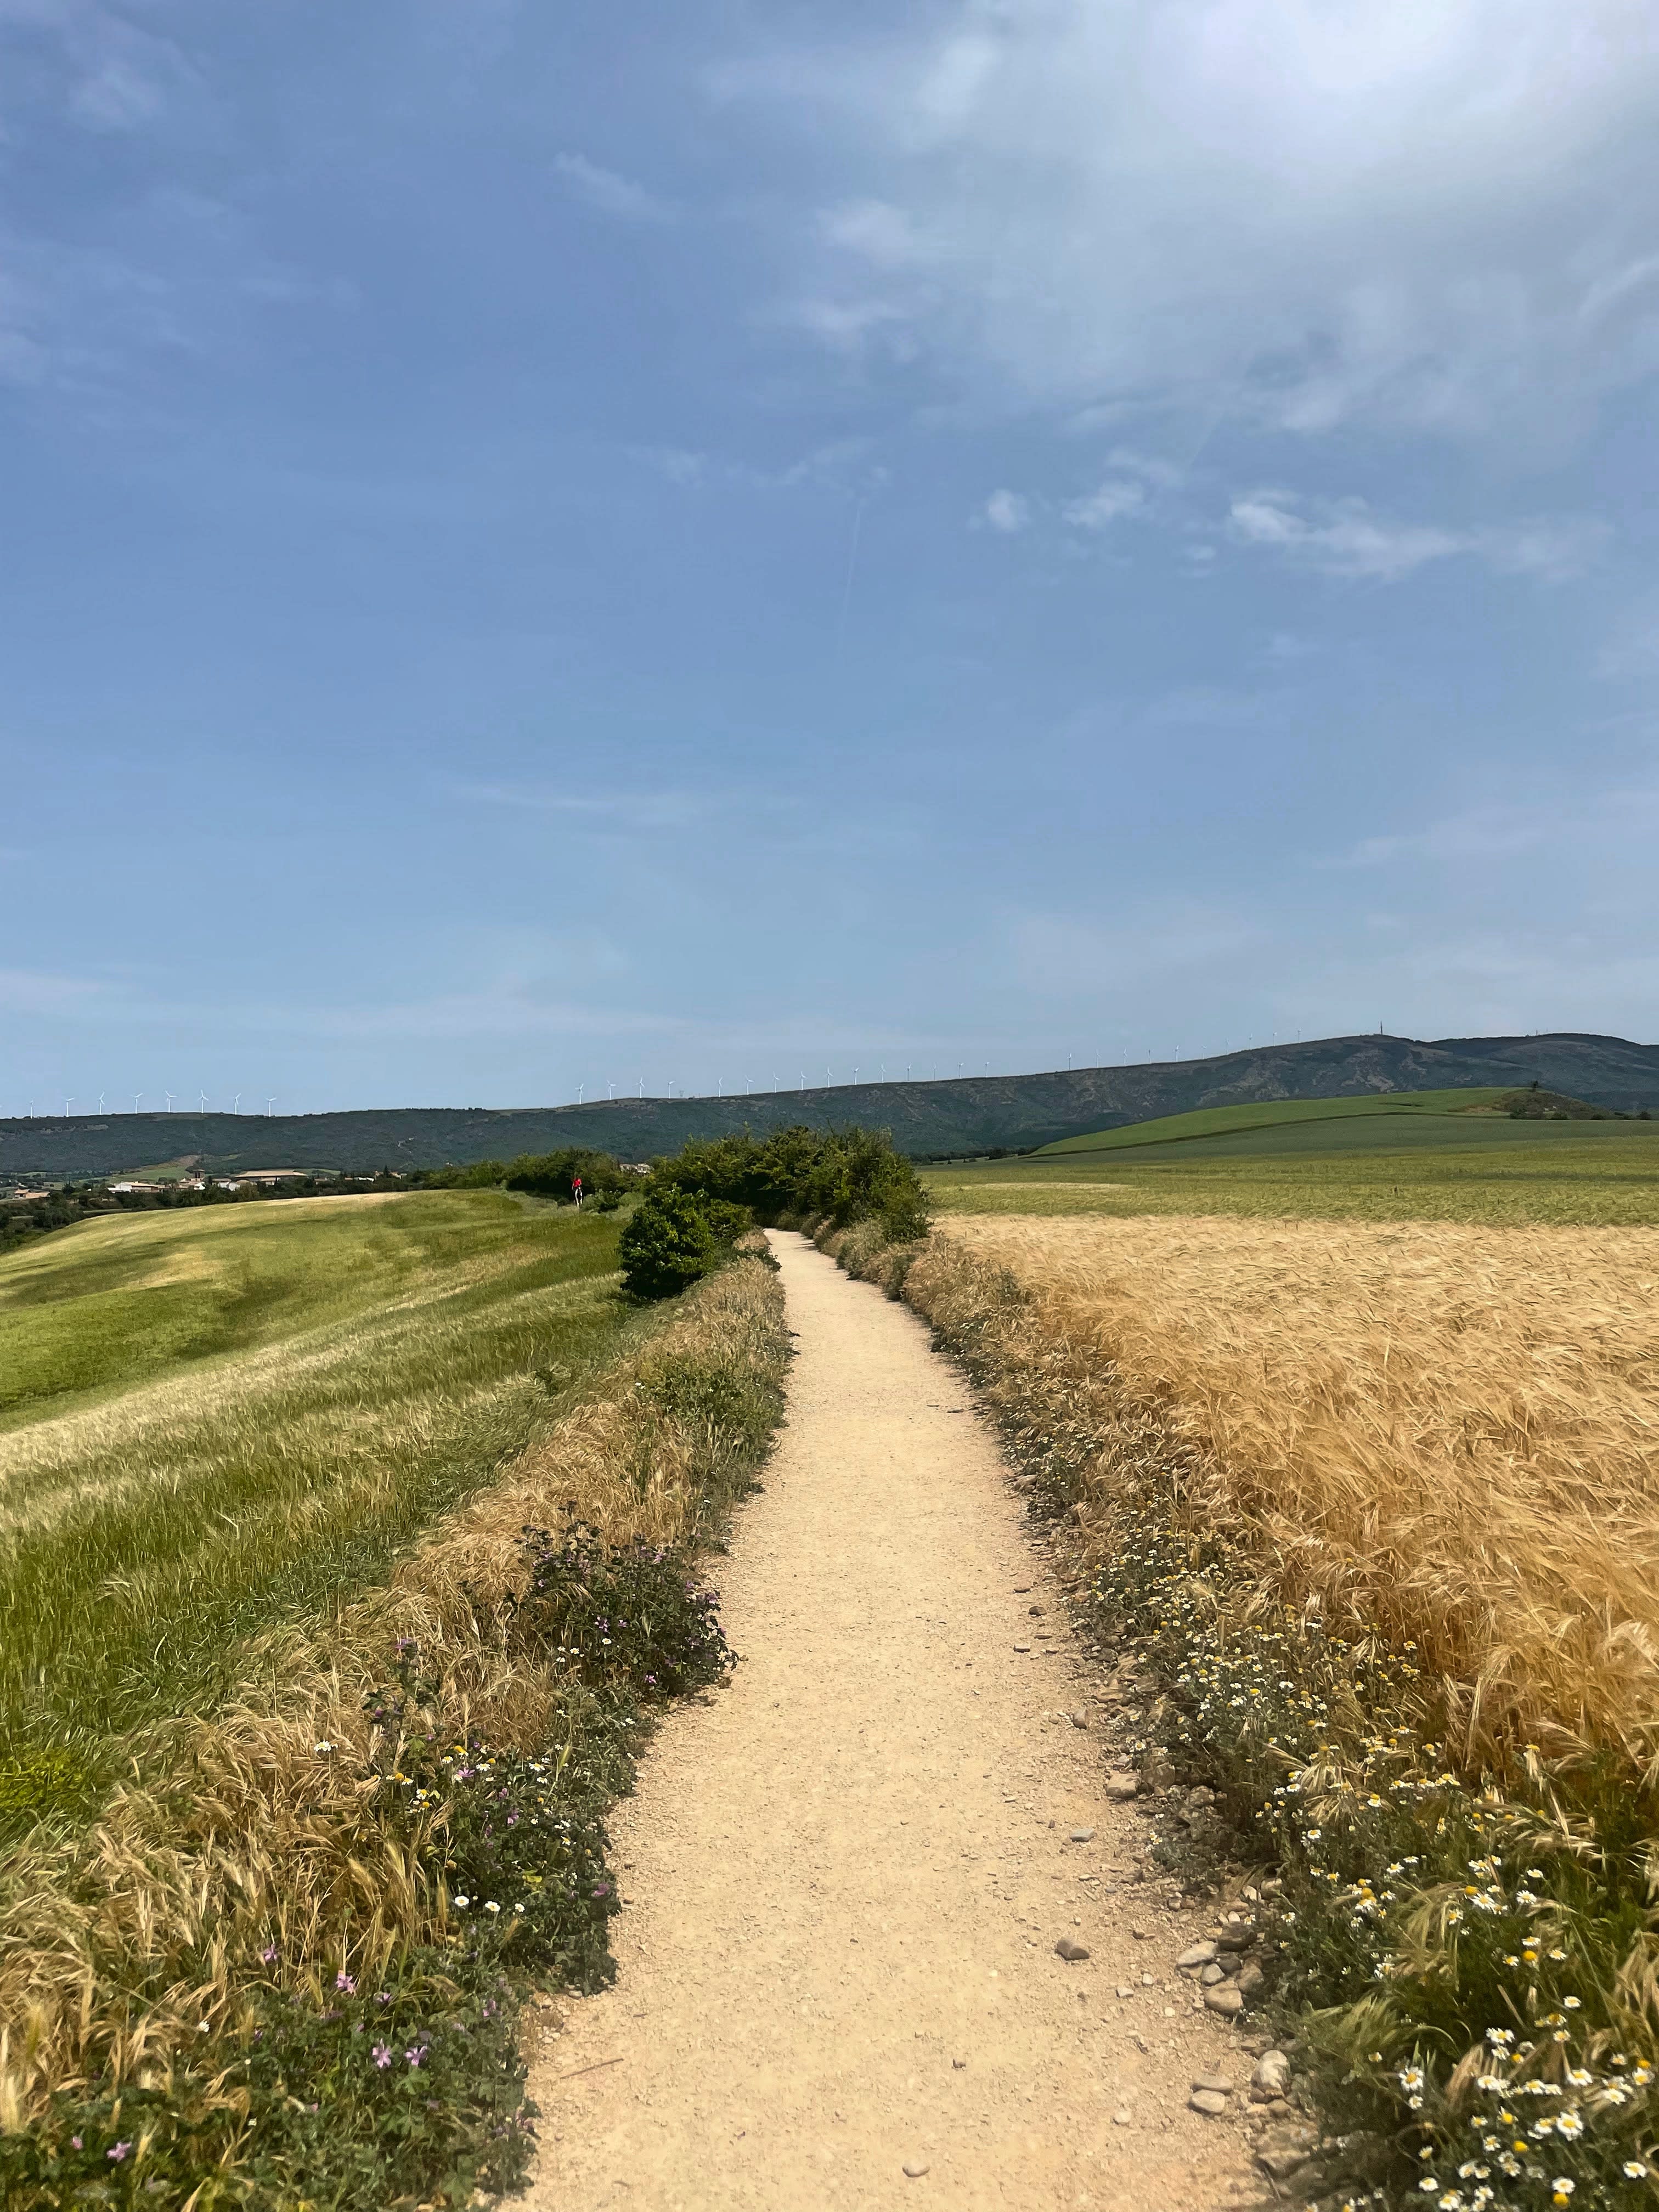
{"x": 609, "y": 1090}
{"x": 100, "y": 1102}
{"x": 168, "y": 1095}
{"x": 237, "y": 1108}
{"x": 580, "y": 1087}
{"x": 270, "y": 1102}
{"x": 137, "y": 1096}
{"x": 68, "y": 1103}
{"x": 202, "y": 1095}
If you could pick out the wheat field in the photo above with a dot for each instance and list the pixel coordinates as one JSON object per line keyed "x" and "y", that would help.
{"x": 1447, "y": 1432}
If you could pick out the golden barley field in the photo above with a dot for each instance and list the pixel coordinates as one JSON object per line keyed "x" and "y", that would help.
{"x": 1446, "y": 1431}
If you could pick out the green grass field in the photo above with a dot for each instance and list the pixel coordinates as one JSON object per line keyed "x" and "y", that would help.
{"x": 214, "y": 1421}
{"x": 1483, "y": 1168}
{"x": 1224, "y": 1121}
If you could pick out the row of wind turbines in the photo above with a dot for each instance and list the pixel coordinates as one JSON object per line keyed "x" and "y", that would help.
{"x": 169, "y": 1096}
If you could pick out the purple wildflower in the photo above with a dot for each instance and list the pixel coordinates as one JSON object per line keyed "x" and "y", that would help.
{"x": 118, "y": 2151}
{"x": 346, "y": 1982}
{"x": 381, "y": 2055}
{"x": 270, "y": 1956}
{"x": 75, "y": 2142}
{"x": 415, "y": 2054}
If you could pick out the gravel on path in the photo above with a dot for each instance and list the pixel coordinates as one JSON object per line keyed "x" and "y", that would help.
{"x": 846, "y": 1875}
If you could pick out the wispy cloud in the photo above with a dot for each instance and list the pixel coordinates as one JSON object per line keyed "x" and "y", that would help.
{"x": 1114, "y": 500}
{"x": 609, "y": 191}
{"x": 1009, "y": 511}
{"x": 1299, "y": 216}
{"x": 1347, "y": 538}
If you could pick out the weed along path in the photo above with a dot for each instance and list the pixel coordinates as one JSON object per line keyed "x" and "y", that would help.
{"x": 847, "y": 1873}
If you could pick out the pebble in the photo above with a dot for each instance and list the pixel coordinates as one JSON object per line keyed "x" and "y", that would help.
{"x": 1147, "y": 1982}
{"x": 1196, "y": 1954}
{"x": 1124, "y": 1990}
{"x": 1251, "y": 1981}
{"x": 1271, "y": 2074}
{"x": 915, "y": 2169}
{"x": 1226, "y": 2000}
{"x": 1211, "y": 1975}
{"x": 1083, "y": 1835}
{"x": 1069, "y": 1951}
{"x": 1021, "y": 1647}
{"x": 1120, "y": 1788}
{"x": 1211, "y": 2102}
{"x": 1124, "y": 2118}
{"x": 1218, "y": 2083}
{"x": 958, "y": 2064}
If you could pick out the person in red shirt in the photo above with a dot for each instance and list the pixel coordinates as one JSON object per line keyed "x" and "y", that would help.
{"x": 576, "y": 1190}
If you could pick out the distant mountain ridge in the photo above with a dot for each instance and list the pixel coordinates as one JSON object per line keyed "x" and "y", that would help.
{"x": 968, "y": 1114}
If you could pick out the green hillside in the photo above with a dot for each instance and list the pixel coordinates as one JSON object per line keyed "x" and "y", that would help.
{"x": 1220, "y": 1121}
{"x": 953, "y": 1118}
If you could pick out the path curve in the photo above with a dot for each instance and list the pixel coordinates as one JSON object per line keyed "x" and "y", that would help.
{"x": 847, "y": 1872}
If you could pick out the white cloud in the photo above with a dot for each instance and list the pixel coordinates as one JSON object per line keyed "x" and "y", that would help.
{"x": 1346, "y": 538}
{"x": 1116, "y": 498}
{"x": 1008, "y": 512}
{"x": 1441, "y": 213}
{"x": 607, "y": 191}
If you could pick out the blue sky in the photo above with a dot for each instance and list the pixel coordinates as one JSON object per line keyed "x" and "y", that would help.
{"x": 550, "y": 549}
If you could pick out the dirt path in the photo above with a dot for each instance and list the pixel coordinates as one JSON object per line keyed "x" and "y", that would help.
{"x": 847, "y": 1871}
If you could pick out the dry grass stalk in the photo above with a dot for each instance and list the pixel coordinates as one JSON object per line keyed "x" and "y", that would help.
{"x": 239, "y": 1832}
{"x": 1448, "y": 1433}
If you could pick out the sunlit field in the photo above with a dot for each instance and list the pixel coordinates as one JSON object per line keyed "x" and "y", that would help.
{"x": 221, "y": 1419}
{"x": 1584, "y": 1172}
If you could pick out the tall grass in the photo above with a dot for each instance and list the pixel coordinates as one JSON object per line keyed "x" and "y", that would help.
{"x": 1447, "y": 1434}
{"x": 142, "y": 1536}
{"x": 265, "y": 1857}
{"x": 1375, "y": 1509}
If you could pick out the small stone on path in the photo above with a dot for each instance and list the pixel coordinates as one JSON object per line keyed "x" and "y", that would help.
{"x": 1069, "y": 1951}
{"x": 1122, "y": 2119}
{"x": 1224, "y": 1999}
{"x": 1210, "y": 2102}
{"x": 1120, "y": 1788}
{"x": 1083, "y": 1835}
{"x": 1196, "y": 1954}
{"x": 1211, "y": 1975}
{"x": 1272, "y": 2076}
{"x": 915, "y": 2169}
{"x": 1021, "y": 1647}
{"x": 1218, "y": 2083}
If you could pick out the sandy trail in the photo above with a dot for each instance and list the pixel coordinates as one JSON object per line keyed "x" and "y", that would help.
{"x": 847, "y": 1871}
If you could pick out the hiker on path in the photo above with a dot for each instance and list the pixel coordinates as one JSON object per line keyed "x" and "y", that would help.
{"x": 576, "y": 1190}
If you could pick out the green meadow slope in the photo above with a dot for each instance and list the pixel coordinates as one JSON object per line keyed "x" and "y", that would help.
{"x": 1401, "y": 1166}
{"x": 214, "y": 1421}
{"x": 1220, "y": 1122}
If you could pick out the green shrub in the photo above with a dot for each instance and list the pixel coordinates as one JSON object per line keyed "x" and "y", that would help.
{"x": 668, "y": 1245}
{"x": 841, "y": 1176}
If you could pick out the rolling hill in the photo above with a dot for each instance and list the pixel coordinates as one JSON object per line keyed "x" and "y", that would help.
{"x": 968, "y": 1114}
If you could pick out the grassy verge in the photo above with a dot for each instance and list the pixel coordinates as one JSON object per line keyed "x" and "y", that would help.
{"x": 285, "y": 1965}
{"x": 1456, "y": 1924}
{"x": 302, "y": 1389}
